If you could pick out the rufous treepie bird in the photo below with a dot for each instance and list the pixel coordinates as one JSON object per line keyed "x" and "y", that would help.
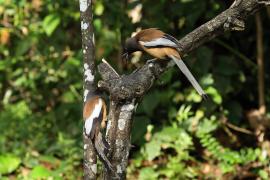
{"x": 94, "y": 115}
{"x": 161, "y": 46}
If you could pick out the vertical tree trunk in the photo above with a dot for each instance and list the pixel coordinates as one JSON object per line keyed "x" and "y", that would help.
{"x": 260, "y": 62}
{"x": 119, "y": 135}
{"x": 88, "y": 48}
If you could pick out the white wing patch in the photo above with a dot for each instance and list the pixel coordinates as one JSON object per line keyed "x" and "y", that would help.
{"x": 158, "y": 42}
{"x": 90, "y": 120}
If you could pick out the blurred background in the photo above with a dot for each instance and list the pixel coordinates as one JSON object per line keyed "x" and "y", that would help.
{"x": 175, "y": 134}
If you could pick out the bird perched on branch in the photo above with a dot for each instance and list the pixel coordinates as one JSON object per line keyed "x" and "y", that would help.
{"x": 94, "y": 115}
{"x": 161, "y": 46}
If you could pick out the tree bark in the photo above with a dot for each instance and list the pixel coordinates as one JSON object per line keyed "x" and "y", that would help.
{"x": 88, "y": 49}
{"x": 126, "y": 90}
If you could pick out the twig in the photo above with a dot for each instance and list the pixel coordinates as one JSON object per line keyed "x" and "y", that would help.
{"x": 236, "y": 128}
{"x": 224, "y": 121}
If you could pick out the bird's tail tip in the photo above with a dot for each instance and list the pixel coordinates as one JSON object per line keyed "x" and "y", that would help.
{"x": 205, "y": 97}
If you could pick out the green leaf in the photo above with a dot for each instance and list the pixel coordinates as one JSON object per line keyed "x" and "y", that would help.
{"x": 173, "y": 167}
{"x": 97, "y": 24}
{"x": 72, "y": 61}
{"x": 215, "y": 95}
{"x": 3, "y": 65}
{"x": 168, "y": 134}
{"x": 9, "y": 163}
{"x": 194, "y": 97}
{"x": 40, "y": 172}
{"x": 147, "y": 174}
{"x": 184, "y": 113}
{"x": 68, "y": 97}
{"x": 50, "y": 23}
{"x": 99, "y": 8}
{"x": 263, "y": 174}
{"x": 225, "y": 168}
{"x": 207, "y": 79}
{"x": 152, "y": 149}
{"x": 23, "y": 46}
{"x": 207, "y": 126}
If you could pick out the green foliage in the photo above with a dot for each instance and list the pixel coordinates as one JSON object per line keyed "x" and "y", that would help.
{"x": 8, "y": 163}
{"x": 40, "y": 172}
{"x": 176, "y": 135}
{"x": 40, "y": 102}
{"x": 227, "y": 159}
{"x": 50, "y": 23}
{"x": 147, "y": 173}
{"x": 172, "y": 146}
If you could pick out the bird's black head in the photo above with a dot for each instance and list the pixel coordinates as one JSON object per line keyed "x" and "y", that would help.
{"x": 131, "y": 45}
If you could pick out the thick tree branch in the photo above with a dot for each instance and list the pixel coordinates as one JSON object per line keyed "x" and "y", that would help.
{"x": 90, "y": 157}
{"x": 126, "y": 90}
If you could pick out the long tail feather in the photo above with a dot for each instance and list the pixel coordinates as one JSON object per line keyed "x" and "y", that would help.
{"x": 180, "y": 63}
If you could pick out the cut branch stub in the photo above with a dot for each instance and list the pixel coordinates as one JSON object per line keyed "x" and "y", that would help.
{"x": 128, "y": 87}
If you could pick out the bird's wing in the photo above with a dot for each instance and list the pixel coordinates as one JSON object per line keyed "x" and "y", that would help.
{"x": 93, "y": 116}
{"x": 166, "y": 41}
{"x": 173, "y": 39}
